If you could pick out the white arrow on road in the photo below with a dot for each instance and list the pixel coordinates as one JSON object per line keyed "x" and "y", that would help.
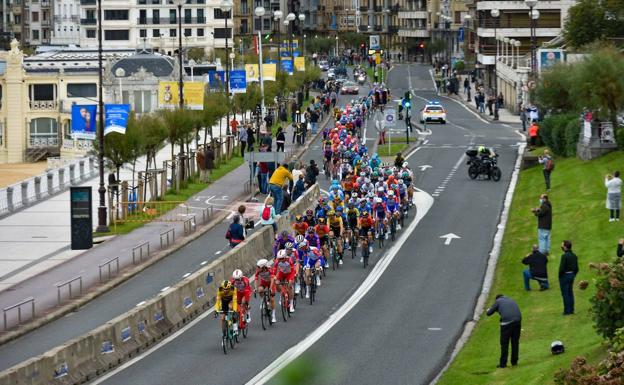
{"x": 424, "y": 167}
{"x": 449, "y": 237}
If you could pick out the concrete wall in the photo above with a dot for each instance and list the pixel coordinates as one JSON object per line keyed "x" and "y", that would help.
{"x": 90, "y": 355}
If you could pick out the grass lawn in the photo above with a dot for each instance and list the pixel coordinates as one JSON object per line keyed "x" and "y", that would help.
{"x": 193, "y": 187}
{"x": 382, "y": 150}
{"x": 578, "y": 198}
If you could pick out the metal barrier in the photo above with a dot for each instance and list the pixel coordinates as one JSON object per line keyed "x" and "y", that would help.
{"x": 140, "y": 248}
{"x": 247, "y": 187}
{"x": 190, "y": 225}
{"x": 19, "y": 310}
{"x": 207, "y": 213}
{"x": 108, "y": 264}
{"x": 166, "y": 234}
{"x": 68, "y": 282}
{"x": 153, "y": 211}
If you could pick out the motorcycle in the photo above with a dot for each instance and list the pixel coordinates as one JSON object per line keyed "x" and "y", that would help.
{"x": 361, "y": 79}
{"x": 482, "y": 166}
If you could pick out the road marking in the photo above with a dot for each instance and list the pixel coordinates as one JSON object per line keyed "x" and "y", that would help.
{"x": 422, "y": 199}
{"x": 412, "y": 153}
{"x": 218, "y": 252}
{"x": 424, "y": 167}
{"x": 434, "y": 329}
{"x": 449, "y": 237}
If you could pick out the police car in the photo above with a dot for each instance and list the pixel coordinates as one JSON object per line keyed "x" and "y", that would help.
{"x": 433, "y": 111}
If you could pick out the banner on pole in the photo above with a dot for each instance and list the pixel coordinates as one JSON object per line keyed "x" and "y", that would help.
{"x": 169, "y": 95}
{"x": 216, "y": 80}
{"x": 116, "y": 118}
{"x": 269, "y": 71}
{"x": 300, "y": 63}
{"x": 252, "y": 73}
{"x": 287, "y": 65}
{"x": 83, "y": 121}
{"x": 374, "y": 42}
{"x": 238, "y": 81}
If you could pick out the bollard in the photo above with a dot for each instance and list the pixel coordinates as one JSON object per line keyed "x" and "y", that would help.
{"x": 38, "y": 188}
{"x": 91, "y": 165}
{"x": 24, "y": 193}
{"x": 124, "y": 199}
{"x": 82, "y": 170}
{"x": 9, "y": 192}
{"x": 50, "y": 183}
{"x": 61, "y": 177}
{"x": 72, "y": 174}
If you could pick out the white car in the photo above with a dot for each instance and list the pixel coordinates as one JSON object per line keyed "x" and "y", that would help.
{"x": 324, "y": 65}
{"x": 331, "y": 75}
{"x": 433, "y": 112}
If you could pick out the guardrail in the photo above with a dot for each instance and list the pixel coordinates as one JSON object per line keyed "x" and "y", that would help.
{"x": 166, "y": 235}
{"x": 189, "y": 225}
{"x": 67, "y": 283}
{"x": 108, "y": 264}
{"x": 207, "y": 213}
{"x": 140, "y": 248}
{"x": 19, "y": 310}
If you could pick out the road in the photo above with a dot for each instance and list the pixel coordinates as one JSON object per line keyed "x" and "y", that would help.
{"x": 400, "y": 331}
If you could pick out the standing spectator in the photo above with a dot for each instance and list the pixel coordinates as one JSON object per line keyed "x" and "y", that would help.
{"x": 533, "y": 130}
{"x": 537, "y": 269}
{"x": 523, "y": 118}
{"x": 267, "y": 215}
{"x": 234, "y": 126}
{"x": 201, "y": 163}
{"x": 297, "y": 170}
{"x": 251, "y": 139}
{"x": 334, "y": 97}
{"x": 242, "y": 137}
{"x": 247, "y": 224}
{"x": 299, "y": 188}
{"x": 263, "y": 176}
{"x": 500, "y": 100}
{"x": 294, "y": 107}
{"x": 548, "y": 166}
{"x": 279, "y": 178}
{"x": 267, "y": 141}
{"x": 568, "y": 268}
{"x": 466, "y": 86}
{"x": 286, "y": 198}
{"x": 620, "y": 248}
{"x": 510, "y": 327}
{"x": 280, "y": 139}
{"x": 209, "y": 158}
{"x": 613, "y": 183}
{"x": 314, "y": 118}
{"x": 235, "y": 233}
{"x": 312, "y": 171}
{"x": 481, "y": 102}
{"x": 544, "y": 223}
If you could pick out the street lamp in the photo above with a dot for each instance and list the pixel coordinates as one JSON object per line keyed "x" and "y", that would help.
{"x": 495, "y": 13}
{"x": 101, "y": 227}
{"x": 301, "y": 20}
{"x": 531, "y": 4}
{"x": 517, "y": 44}
{"x": 336, "y": 45}
{"x": 226, "y": 7}
{"x": 179, "y": 3}
{"x": 291, "y": 17}
{"x": 277, "y": 16}
{"x": 120, "y": 73}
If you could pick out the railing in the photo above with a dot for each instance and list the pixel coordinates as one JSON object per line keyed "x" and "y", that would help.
{"x": 87, "y": 2}
{"x": 88, "y": 21}
{"x": 378, "y": 28}
{"x": 139, "y": 248}
{"x": 165, "y": 236}
{"x": 108, "y": 265}
{"x": 190, "y": 225}
{"x": 69, "y": 284}
{"x": 44, "y": 141}
{"x": 170, "y": 20}
{"x": 519, "y": 23}
{"x": 207, "y": 212}
{"x": 363, "y": 9}
{"x": 18, "y": 305}
{"x": 378, "y": 8}
{"x": 44, "y": 104}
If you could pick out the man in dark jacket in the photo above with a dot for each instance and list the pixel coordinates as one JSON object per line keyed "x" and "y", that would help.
{"x": 209, "y": 157}
{"x": 568, "y": 268}
{"x": 299, "y": 188}
{"x": 312, "y": 171}
{"x": 537, "y": 269}
{"x": 510, "y": 326}
{"x": 544, "y": 223}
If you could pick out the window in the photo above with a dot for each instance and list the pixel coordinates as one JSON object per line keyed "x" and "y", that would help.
{"x": 173, "y": 32}
{"x": 142, "y": 2}
{"x": 156, "y": 16}
{"x": 116, "y": 14}
{"x": 188, "y": 17}
{"x": 200, "y": 32}
{"x": 244, "y": 28}
{"x": 156, "y": 32}
{"x": 35, "y": 34}
{"x": 142, "y": 16}
{"x": 35, "y": 16}
{"x": 173, "y": 14}
{"x": 90, "y": 33}
{"x": 116, "y": 34}
{"x": 82, "y": 90}
{"x": 267, "y": 23}
{"x": 221, "y": 33}
{"x": 200, "y": 16}
{"x": 257, "y": 24}
{"x": 43, "y": 128}
{"x": 219, "y": 14}
{"x": 18, "y": 20}
{"x": 38, "y": 92}
{"x": 142, "y": 101}
{"x": 142, "y": 32}
{"x": 90, "y": 14}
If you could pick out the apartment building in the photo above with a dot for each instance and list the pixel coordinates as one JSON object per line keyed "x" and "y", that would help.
{"x": 28, "y": 21}
{"x": 66, "y": 22}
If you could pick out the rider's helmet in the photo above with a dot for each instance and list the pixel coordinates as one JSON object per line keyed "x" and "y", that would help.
{"x": 237, "y": 274}
{"x": 321, "y": 220}
{"x": 365, "y": 213}
{"x": 339, "y": 208}
{"x": 309, "y": 212}
{"x": 311, "y": 230}
{"x": 405, "y": 165}
{"x": 225, "y": 285}
{"x": 405, "y": 174}
{"x": 262, "y": 263}
{"x": 481, "y": 150}
{"x": 298, "y": 218}
{"x": 281, "y": 254}
{"x": 299, "y": 238}
{"x": 390, "y": 193}
{"x": 285, "y": 234}
{"x": 321, "y": 200}
{"x": 377, "y": 200}
{"x": 331, "y": 212}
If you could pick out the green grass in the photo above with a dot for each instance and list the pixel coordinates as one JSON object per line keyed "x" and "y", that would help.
{"x": 382, "y": 150}
{"x": 579, "y": 214}
{"x": 191, "y": 188}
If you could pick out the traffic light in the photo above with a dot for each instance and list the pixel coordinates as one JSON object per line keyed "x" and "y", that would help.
{"x": 408, "y": 104}
{"x": 421, "y": 45}
{"x": 362, "y": 46}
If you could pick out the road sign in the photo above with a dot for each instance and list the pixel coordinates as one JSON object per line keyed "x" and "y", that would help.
{"x": 449, "y": 237}
{"x": 389, "y": 117}
{"x": 374, "y": 42}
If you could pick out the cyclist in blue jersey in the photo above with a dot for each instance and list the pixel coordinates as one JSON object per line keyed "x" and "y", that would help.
{"x": 312, "y": 260}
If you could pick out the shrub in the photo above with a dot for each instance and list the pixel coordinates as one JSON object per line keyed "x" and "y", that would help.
{"x": 619, "y": 137}
{"x": 608, "y": 372}
{"x": 608, "y": 302}
{"x": 572, "y": 132}
{"x": 553, "y": 131}
{"x": 459, "y": 66}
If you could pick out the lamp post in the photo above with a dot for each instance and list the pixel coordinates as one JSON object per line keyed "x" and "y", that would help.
{"x": 120, "y": 73}
{"x": 179, "y": 3}
{"x": 226, "y": 7}
{"x": 291, "y": 17}
{"x": 495, "y": 13}
{"x": 531, "y": 4}
{"x": 259, "y": 12}
{"x": 101, "y": 227}
{"x": 277, "y": 16}
{"x": 303, "y": 46}
{"x": 301, "y": 20}
{"x": 517, "y": 44}
{"x": 336, "y": 45}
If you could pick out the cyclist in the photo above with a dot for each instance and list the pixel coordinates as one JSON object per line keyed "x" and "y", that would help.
{"x": 381, "y": 212}
{"x": 281, "y": 241}
{"x": 393, "y": 206}
{"x": 312, "y": 260}
{"x": 312, "y": 238}
{"x": 321, "y": 209}
{"x": 285, "y": 274}
{"x": 243, "y": 291}
{"x": 309, "y": 218}
{"x": 322, "y": 233}
{"x": 225, "y": 295}
{"x": 335, "y": 223}
{"x": 300, "y": 226}
{"x": 293, "y": 254}
{"x": 264, "y": 279}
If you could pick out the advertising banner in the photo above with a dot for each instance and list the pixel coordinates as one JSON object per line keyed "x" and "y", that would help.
{"x": 238, "y": 82}
{"x": 169, "y": 95}
{"x": 252, "y": 72}
{"x": 300, "y": 63}
{"x": 269, "y": 71}
{"x": 548, "y": 57}
{"x": 287, "y": 66}
{"x": 83, "y": 124}
{"x": 116, "y": 118}
{"x": 216, "y": 80}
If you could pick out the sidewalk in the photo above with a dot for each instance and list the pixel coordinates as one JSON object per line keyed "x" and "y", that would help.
{"x": 42, "y": 259}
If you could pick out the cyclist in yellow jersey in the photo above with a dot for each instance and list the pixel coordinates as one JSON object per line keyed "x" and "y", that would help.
{"x": 226, "y": 299}
{"x": 335, "y": 223}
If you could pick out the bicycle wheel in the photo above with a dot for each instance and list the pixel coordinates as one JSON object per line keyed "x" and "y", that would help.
{"x": 246, "y": 328}
{"x": 365, "y": 255}
{"x": 264, "y": 316}
{"x": 284, "y": 305}
{"x": 224, "y": 343}
{"x": 332, "y": 256}
{"x": 231, "y": 336}
{"x": 382, "y": 236}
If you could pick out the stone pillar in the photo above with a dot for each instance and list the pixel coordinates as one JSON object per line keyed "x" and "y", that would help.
{"x": 72, "y": 174}
{"x": 140, "y": 195}
{"x": 16, "y": 129}
{"x": 82, "y": 169}
{"x": 24, "y": 193}
{"x": 50, "y": 177}
{"x": 91, "y": 165}
{"x": 61, "y": 176}
{"x": 9, "y": 192}
{"x": 38, "y": 188}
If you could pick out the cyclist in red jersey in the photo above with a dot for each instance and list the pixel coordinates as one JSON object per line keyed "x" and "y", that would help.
{"x": 264, "y": 279}
{"x": 243, "y": 290}
{"x": 284, "y": 269}
{"x": 300, "y": 226}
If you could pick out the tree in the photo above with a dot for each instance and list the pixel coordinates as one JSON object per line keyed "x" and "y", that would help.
{"x": 353, "y": 39}
{"x": 179, "y": 125}
{"x": 215, "y": 108}
{"x": 153, "y": 133}
{"x": 196, "y": 53}
{"x": 554, "y": 91}
{"x": 585, "y": 23}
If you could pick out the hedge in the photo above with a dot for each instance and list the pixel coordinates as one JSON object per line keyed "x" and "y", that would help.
{"x": 560, "y": 133}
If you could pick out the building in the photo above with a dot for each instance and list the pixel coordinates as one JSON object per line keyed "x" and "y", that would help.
{"x": 35, "y": 121}
{"x": 28, "y": 21}
{"x": 414, "y": 27}
{"x": 66, "y": 22}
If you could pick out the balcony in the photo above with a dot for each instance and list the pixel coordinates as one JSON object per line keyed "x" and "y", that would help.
{"x": 378, "y": 28}
{"x": 44, "y": 105}
{"x": 414, "y": 33}
{"x": 516, "y": 5}
{"x": 395, "y": 8}
{"x": 45, "y": 23}
{"x": 363, "y": 28}
{"x": 87, "y": 2}
{"x": 363, "y": 9}
{"x": 542, "y": 22}
{"x": 378, "y": 8}
{"x": 88, "y": 21}
{"x": 45, "y": 4}
{"x": 16, "y": 9}
{"x": 393, "y": 29}
{"x": 422, "y": 14}
{"x": 44, "y": 141}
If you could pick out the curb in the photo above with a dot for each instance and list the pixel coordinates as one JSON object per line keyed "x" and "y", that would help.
{"x": 491, "y": 267}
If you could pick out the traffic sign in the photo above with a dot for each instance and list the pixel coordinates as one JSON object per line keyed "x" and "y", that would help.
{"x": 374, "y": 42}
{"x": 389, "y": 117}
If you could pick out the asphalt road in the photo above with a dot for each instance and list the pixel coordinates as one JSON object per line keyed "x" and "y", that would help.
{"x": 403, "y": 329}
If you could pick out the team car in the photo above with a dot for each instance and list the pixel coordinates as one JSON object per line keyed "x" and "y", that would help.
{"x": 433, "y": 112}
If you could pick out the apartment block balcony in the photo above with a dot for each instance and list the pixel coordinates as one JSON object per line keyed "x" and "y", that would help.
{"x": 45, "y": 4}
{"x": 87, "y": 2}
{"x": 44, "y": 105}
{"x": 393, "y": 29}
{"x": 378, "y": 8}
{"x": 486, "y": 5}
{"x": 88, "y": 21}
{"x": 45, "y": 23}
{"x": 363, "y": 9}
{"x": 363, "y": 28}
{"x": 420, "y": 14}
{"x": 421, "y": 32}
{"x": 378, "y": 28}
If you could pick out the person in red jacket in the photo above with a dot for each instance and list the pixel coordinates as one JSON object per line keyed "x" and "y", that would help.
{"x": 243, "y": 290}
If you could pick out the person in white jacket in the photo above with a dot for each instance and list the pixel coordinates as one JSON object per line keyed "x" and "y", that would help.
{"x": 613, "y": 183}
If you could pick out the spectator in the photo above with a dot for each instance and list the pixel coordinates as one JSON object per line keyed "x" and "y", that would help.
{"x": 235, "y": 233}
{"x": 510, "y": 327}
{"x": 279, "y": 178}
{"x": 209, "y": 158}
{"x": 613, "y": 183}
{"x": 500, "y": 100}
{"x": 267, "y": 141}
{"x": 466, "y": 86}
{"x": 548, "y": 166}
{"x": 537, "y": 269}
{"x": 263, "y": 177}
{"x": 234, "y": 126}
{"x": 286, "y": 200}
{"x": 251, "y": 140}
{"x": 280, "y": 139}
{"x": 299, "y": 188}
{"x": 246, "y": 222}
{"x": 312, "y": 171}
{"x": 533, "y": 130}
{"x": 242, "y": 137}
{"x": 544, "y": 223}
{"x": 568, "y": 268}
{"x": 298, "y": 169}
{"x": 620, "y": 248}
{"x": 523, "y": 118}
{"x": 399, "y": 160}
{"x": 267, "y": 215}
{"x": 314, "y": 118}
{"x": 201, "y": 163}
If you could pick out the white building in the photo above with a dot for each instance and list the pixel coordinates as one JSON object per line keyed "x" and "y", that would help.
{"x": 66, "y": 28}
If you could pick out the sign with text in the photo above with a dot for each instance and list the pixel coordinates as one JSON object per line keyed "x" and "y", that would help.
{"x": 269, "y": 71}
{"x": 216, "y": 80}
{"x": 169, "y": 94}
{"x": 300, "y": 63}
{"x": 238, "y": 81}
{"x": 83, "y": 121}
{"x": 116, "y": 118}
{"x": 287, "y": 66}
{"x": 252, "y": 72}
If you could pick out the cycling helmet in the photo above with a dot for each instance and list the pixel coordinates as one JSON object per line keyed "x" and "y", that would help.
{"x": 237, "y": 274}
{"x": 321, "y": 200}
{"x": 289, "y": 245}
{"x": 405, "y": 164}
{"x": 366, "y": 180}
{"x": 321, "y": 220}
{"x": 339, "y": 208}
{"x": 298, "y": 218}
{"x": 311, "y": 230}
{"x": 380, "y": 189}
{"x": 377, "y": 200}
{"x": 331, "y": 212}
{"x": 281, "y": 254}
{"x": 400, "y": 181}
{"x": 225, "y": 285}
{"x": 365, "y": 213}
{"x": 262, "y": 263}
{"x": 309, "y": 212}
{"x": 284, "y": 234}
{"x": 405, "y": 174}
{"x": 299, "y": 238}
